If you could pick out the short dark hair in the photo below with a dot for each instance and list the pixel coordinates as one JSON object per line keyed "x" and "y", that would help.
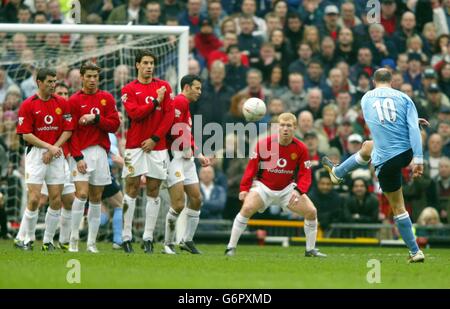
{"x": 43, "y": 73}
{"x": 189, "y": 80}
{"x": 382, "y": 75}
{"x": 38, "y": 13}
{"x": 144, "y": 53}
{"x": 89, "y": 66}
{"x": 232, "y": 46}
{"x": 61, "y": 84}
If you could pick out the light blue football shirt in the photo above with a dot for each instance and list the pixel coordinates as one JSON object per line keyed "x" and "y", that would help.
{"x": 393, "y": 122}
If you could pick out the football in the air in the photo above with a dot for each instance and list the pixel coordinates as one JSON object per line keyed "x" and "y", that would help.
{"x": 254, "y": 109}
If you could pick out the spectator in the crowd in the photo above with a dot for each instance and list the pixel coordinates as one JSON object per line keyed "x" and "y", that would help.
{"x": 276, "y": 84}
{"x": 328, "y": 54}
{"x": 5, "y": 83}
{"x": 418, "y": 102}
{"x": 330, "y": 26}
{"x": 314, "y": 77}
{"x": 294, "y": 29}
{"x": 314, "y": 102}
{"x": 363, "y": 85}
{"x": 214, "y": 196}
{"x": 24, "y": 14}
{"x": 9, "y": 11}
{"x": 406, "y": 30}
{"x": 121, "y": 78}
{"x": 345, "y": 111}
{"x": 441, "y": 18}
{"x": 247, "y": 41}
{"x": 442, "y": 50}
{"x": 305, "y": 125}
{"x": 444, "y": 78}
{"x": 346, "y": 49}
{"x": 255, "y": 87}
{"x": 340, "y": 142}
{"x": 310, "y": 13}
{"x": 397, "y": 79}
{"x": 275, "y": 108}
{"x": 266, "y": 60}
{"x": 248, "y": 10}
{"x": 429, "y": 217}
{"x": 281, "y": 10}
{"x": 389, "y": 19}
{"x": 295, "y": 98}
{"x": 172, "y": 8}
{"x": 205, "y": 40}
{"x": 192, "y": 16}
{"x": 429, "y": 77}
{"x": 74, "y": 80}
{"x": 311, "y": 36}
{"x": 132, "y": 12}
{"x": 153, "y": 14}
{"x": 327, "y": 125}
{"x": 55, "y": 14}
{"x": 228, "y": 26}
{"x": 215, "y": 100}
{"x": 19, "y": 43}
{"x": 429, "y": 34}
{"x": 41, "y": 6}
{"x": 327, "y": 201}
{"x": 402, "y": 63}
{"x": 348, "y": 16}
{"x": 442, "y": 188}
{"x": 354, "y": 144}
{"x": 221, "y": 54}
{"x": 304, "y": 53}
{"x": 380, "y": 45}
{"x": 52, "y": 47}
{"x": 361, "y": 206}
{"x": 273, "y": 23}
{"x": 283, "y": 48}
{"x": 236, "y": 73}
{"x": 215, "y": 15}
{"x": 333, "y": 85}
{"x": 436, "y": 99}
{"x": 311, "y": 140}
{"x": 364, "y": 63}
{"x": 345, "y": 69}
{"x": 434, "y": 154}
{"x": 29, "y": 86}
{"x": 414, "y": 44}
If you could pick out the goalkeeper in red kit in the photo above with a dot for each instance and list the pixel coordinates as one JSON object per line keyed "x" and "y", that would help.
{"x": 148, "y": 105}
{"x": 278, "y": 174}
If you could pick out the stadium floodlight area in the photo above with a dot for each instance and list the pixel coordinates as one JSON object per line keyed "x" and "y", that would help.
{"x": 26, "y": 47}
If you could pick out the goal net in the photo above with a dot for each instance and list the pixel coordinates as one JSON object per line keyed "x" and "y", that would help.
{"x": 25, "y": 48}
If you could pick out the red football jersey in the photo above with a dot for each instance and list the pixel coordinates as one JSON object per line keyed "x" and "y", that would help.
{"x": 101, "y": 103}
{"x": 277, "y": 166}
{"x": 146, "y": 120}
{"x": 181, "y": 136}
{"x": 47, "y": 120}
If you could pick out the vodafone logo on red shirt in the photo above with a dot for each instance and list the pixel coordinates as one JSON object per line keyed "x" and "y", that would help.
{"x": 281, "y": 163}
{"x": 48, "y": 119}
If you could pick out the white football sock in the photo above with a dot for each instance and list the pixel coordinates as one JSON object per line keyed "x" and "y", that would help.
{"x": 192, "y": 219}
{"x": 128, "y": 217}
{"x": 22, "y": 229}
{"x": 30, "y": 218}
{"x": 171, "y": 220}
{"x": 239, "y": 225}
{"x": 51, "y": 223}
{"x": 65, "y": 225}
{"x": 151, "y": 215}
{"x": 77, "y": 216}
{"x": 310, "y": 228}
{"x": 94, "y": 213}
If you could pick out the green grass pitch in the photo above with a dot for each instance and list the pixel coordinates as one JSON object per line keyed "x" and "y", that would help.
{"x": 252, "y": 267}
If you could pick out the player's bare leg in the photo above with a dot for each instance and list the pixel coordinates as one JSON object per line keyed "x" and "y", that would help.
{"x": 52, "y": 216}
{"x": 177, "y": 202}
{"x": 359, "y": 159}
{"x": 26, "y": 238}
{"x": 404, "y": 224}
{"x": 193, "y": 217}
{"x": 129, "y": 204}
{"x": 79, "y": 202}
{"x": 305, "y": 207}
{"x": 252, "y": 203}
{"x": 94, "y": 213}
{"x": 151, "y": 212}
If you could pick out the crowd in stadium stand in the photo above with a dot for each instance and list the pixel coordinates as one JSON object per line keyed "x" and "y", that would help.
{"x": 314, "y": 58}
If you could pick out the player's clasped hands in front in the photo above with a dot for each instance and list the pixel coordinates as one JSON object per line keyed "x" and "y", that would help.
{"x": 53, "y": 151}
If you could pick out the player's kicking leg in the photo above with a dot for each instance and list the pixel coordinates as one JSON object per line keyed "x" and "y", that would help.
{"x": 359, "y": 159}
{"x": 305, "y": 207}
{"x": 252, "y": 203}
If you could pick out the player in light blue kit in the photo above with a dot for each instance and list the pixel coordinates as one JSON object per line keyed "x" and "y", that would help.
{"x": 394, "y": 125}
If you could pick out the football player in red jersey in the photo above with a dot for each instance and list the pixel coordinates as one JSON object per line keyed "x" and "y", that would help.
{"x": 96, "y": 115}
{"x": 148, "y": 105}
{"x": 182, "y": 175}
{"x": 45, "y": 123}
{"x": 278, "y": 174}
